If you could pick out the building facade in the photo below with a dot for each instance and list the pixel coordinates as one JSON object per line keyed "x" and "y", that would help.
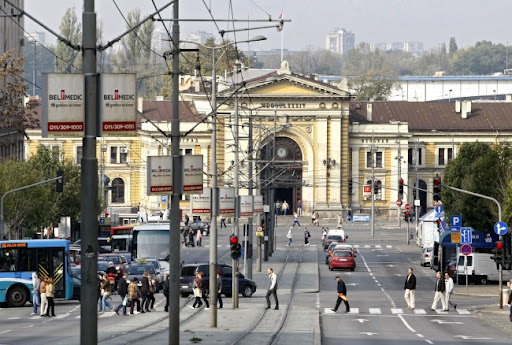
{"x": 11, "y": 28}
{"x": 340, "y": 41}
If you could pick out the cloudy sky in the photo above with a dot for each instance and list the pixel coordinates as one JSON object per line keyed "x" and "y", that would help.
{"x": 373, "y": 21}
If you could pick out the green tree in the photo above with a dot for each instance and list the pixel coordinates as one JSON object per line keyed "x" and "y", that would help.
{"x": 479, "y": 168}
{"x": 452, "y": 46}
{"x": 374, "y": 84}
{"x": 68, "y": 59}
{"x": 484, "y": 58}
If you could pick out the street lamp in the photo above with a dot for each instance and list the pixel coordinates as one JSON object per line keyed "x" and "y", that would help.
{"x": 214, "y": 177}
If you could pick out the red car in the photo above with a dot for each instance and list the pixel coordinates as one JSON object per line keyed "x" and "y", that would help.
{"x": 342, "y": 259}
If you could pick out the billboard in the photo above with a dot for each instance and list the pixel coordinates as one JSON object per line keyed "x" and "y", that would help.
{"x": 201, "y": 203}
{"x": 258, "y": 204}
{"x": 159, "y": 175}
{"x": 246, "y": 206}
{"x": 118, "y": 104}
{"x": 192, "y": 166}
{"x": 63, "y": 105}
{"x": 226, "y": 201}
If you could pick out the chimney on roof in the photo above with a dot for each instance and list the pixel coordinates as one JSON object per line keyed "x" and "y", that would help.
{"x": 466, "y": 109}
{"x": 457, "y": 106}
{"x": 140, "y": 102}
{"x": 508, "y": 98}
{"x": 369, "y": 111}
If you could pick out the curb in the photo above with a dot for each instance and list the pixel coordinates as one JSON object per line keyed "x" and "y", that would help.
{"x": 479, "y": 309}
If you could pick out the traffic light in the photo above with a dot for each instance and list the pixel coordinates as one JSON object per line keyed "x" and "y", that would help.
{"x": 438, "y": 222}
{"x": 236, "y": 248}
{"x": 350, "y": 185}
{"x": 498, "y": 252}
{"x": 406, "y": 216}
{"x": 375, "y": 187}
{"x": 401, "y": 188}
{"x": 437, "y": 188}
{"x": 60, "y": 182}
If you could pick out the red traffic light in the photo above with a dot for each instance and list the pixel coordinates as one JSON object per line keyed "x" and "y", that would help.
{"x": 233, "y": 239}
{"x": 499, "y": 245}
{"x": 401, "y": 181}
{"x": 437, "y": 181}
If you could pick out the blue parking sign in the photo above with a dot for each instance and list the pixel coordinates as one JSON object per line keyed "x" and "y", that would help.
{"x": 456, "y": 223}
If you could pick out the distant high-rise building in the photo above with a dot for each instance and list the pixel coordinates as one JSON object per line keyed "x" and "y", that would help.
{"x": 340, "y": 41}
{"x": 39, "y": 36}
{"x": 11, "y": 28}
{"x": 413, "y": 47}
{"x": 157, "y": 40}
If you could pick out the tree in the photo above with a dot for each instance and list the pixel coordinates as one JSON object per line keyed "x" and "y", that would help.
{"x": 374, "y": 84}
{"x": 484, "y": 58}
{"x": 479, "y": 168}
{"x": 453, "y": 46}
{"x": 14, "y": 118}
{"x": 68, "y": 59}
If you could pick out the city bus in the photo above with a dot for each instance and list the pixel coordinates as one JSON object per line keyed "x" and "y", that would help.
{"x": 151, "y": 240}
{"x": 121, "y": 238}
{"x": 20, "y": 259}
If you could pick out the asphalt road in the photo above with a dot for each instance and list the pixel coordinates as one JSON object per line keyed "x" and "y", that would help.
{"x": 18, "y": 326}
{"x": 379, "y": 312}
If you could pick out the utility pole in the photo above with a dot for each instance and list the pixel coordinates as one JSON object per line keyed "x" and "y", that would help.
{"x": 89, "y": 184}
{"x": 174, "y": 216}
{"x": 416, "y": 169}
{"x": 237, "y": 199}
{"x": 248, "y": 262}
{"x": 372, "y": 151}
{"x": 399, "y": 158}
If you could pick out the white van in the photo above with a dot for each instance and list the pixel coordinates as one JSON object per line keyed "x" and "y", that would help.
{"x": 338, "y": 232}
{"x": 480, "y": 268}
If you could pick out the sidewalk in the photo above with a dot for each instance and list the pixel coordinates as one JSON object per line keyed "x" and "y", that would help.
{"x": 302, "y": 325}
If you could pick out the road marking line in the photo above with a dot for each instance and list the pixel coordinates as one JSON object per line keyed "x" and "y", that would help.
{"x": 397, "y": 311}
{"x": 355, "y": 246}
{"x": 442, "y": 312}
{"x": 375, "y": 311}
{"x": 419, "y": 311}
{"x": 61, "y": 316}
{"x": 329, "y": 311}
{"x": 430, "y": 342}
{"x": 318, "y": 300}
{"x": 420, "y": 335}
{"x": 107, "y": 314}
{"x": 77, "y": 317}
{"x": 406, "y": 324}
{"x": 28, "y": 326}
{"x": 378, "y": 284}
{"x": 367, "y": 246}
{"x": 35, "y": 317}
{"x": 463, "y": 312}
{"x": 354, "y": 311}
{"x": 7, "y": 331}
{"x": 388, "y": 246}
{"x": 14, "y": 318}
{"x": 378, "y": 246}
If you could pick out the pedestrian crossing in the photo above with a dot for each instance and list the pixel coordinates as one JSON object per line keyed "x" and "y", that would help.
{"x": 372, "y": 246}
{"x": 398, "y": 311}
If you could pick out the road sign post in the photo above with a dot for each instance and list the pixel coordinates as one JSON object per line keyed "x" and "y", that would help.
{"x": 466, "y": 250}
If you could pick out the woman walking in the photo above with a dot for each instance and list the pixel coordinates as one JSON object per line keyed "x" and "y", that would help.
{"x": 105, "y": 294}
{"x": 50, "y": 293}
{"x": 197, "y": 292}
{"x": 289, "y": 236}
{"x": 199, "y": 237}
{"x": 152, "y": 291}
{"x": 134, "y": 295}
{"x": 44, "y": 300}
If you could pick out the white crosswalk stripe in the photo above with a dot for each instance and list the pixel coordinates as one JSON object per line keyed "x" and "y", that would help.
{"x": 395, "y": 311}
{"x": 375, "y": 311}
{"x": 389, "y": 246}
{"x": 419, "y": 311}
{"x": 61, "y": 316}
{"x": 440, "y": 311}
{"x": 107, "y": 314}
{"x": 378, "y": 246}
{"x": 354, "y": 310}
{"x": 463, "y": 311}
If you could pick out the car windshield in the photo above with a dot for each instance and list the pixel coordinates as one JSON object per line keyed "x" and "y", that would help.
{"x": 114, "y": 259}
{"x": 139, "y": 269}
{"x": 153, "y": 243}
{"x": 334, "y": 238}
{"x": 102, "y": 265}
{"x": 342, "y": 253}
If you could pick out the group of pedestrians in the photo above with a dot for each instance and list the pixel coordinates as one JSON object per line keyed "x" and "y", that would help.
{"x": 200, "y": 291}
{"x": 443, "y": 291}
{"x": 188, "y": 237}
{"x": 282, "y": 208}
{"x": 43, "y": 294}
{"x": 289, "y": 236}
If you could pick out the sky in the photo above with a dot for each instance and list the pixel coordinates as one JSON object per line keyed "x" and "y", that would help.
{"x": 431, "y": 22}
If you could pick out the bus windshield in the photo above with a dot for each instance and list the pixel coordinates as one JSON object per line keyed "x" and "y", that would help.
{"x": 153, "y": 243}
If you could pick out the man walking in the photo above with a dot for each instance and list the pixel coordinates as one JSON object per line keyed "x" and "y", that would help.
{"x": 439, "y": 292}
{"x": 285, "y": 207}
{"x": 448, "y": 282}
{"x": 342, "y": 295}
{"x": 272, "y": 288}
{"x": 289, "y": 236}
{"x": 122, "y": 290}
{"x": 410, "y": 288}
{"x": 222, "y": 222}
{"x": 295, "y": 219}
{"x": 299, "y": 207}
{"x": 278, "y": 207}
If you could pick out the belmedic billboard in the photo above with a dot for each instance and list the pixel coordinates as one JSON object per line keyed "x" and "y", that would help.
{"x": 63, "y": 105}
{"x": 118, "y": 104}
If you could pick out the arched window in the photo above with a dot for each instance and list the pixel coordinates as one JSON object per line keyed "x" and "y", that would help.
{"x": 118, "y": 190}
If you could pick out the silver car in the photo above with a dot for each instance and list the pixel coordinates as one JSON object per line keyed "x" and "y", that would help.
{"x": 427, "y": 256}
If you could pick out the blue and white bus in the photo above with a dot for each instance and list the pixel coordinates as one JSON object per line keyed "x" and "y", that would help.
{"x": 20, "y": 259}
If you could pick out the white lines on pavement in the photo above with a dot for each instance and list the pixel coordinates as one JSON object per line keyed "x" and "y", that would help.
{"x": 107, "y": 314}
{"x": 406, "y": 324}
{"x": 430, "y": 342}
{"x": 375, "y": 311}
{"x": 6, "y": 331}
{"x": 439, "y": 311}
{"x": 354, "y": 311}
{"x": 397, "y": 311}
{"x": 61, "y": 316}
{"x": 463, "y": 312}
{"x": 388, "y": 246}
{"x": 379, "y": 285}
{"x": 28, "y": 326}
{"x": 419, "y": 311}
{"x": 378, "y": 246}
{"x": 14, "y": 318}
{"x": 420, "y": 335}
{"x": 35, "y": 317}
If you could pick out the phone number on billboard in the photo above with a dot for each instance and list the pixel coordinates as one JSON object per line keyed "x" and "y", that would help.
{"x": 62, "y": 127}
{"x": 119, "y": 126}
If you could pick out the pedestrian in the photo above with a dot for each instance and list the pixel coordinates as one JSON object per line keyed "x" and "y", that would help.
{"x": 510, "y": 297}
{"x": 278, "y": 207}
{"x": 289, "y": 236}
{"x": 324, "y": 235}
{"x": 349, "y": 214}
{"x": 342, "y": 295}
{"x": 410, "y": 289}
{"x": 307, "y": 235}
{"x": 197, "y": 292}
{"x": 317, "y": 219}
{"x": 134, "y": 295}
{"x": 448, "y": 282}
{"x": 219, "y": 289}
{"x": 272, "y": 288}
{"x": 44, "y": 300}
{"x": 144, "y": 291}
{"x": 185, "y": 236}
{"x": 187, "y": 219}
{"x": 50, "y": 293}
{"x": 313, "y": 218}
{"x": 122, "y": 290}
{"x": 36, "y": 295}
{"x": 202, "y": 287}
{"x": 152, "y": 291}
{"x": 105, "y": 294}
{"x": 299, "y": 207}
{"x": 295, "y": 219}
{"x": 439, "y": 292}
{"x": 222, "y": 222}
{"x": 285, "y": 207}
{"x": 191, "y": 237}
{"x": 199, "y": 237}
{"x": 166, "y": 293}
{"x": 340, "y": 221}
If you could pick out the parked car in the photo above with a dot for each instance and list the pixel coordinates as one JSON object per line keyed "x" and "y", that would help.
{"x": 451, "y": 268}
{"x": 426, "y": 256}
{"x": 329, "y": 251}
{"x": 342, "y": 259}
{"x": 204, "y": 226}
{"x": 188, "y": 273}
{"x": 76, "y": 278}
